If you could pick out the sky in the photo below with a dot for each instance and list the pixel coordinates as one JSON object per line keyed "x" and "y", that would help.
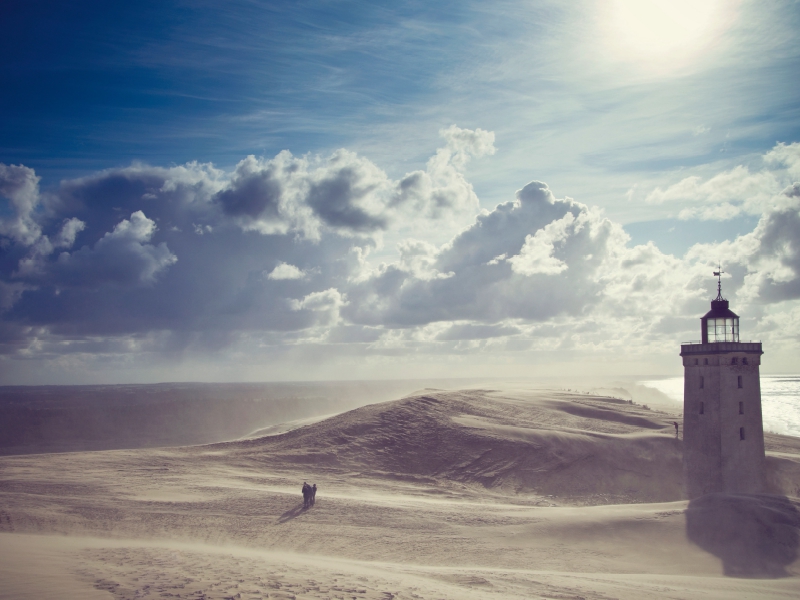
{"x": 257, "y": 191}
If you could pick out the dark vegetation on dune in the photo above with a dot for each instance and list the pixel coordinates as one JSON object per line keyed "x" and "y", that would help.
{"x": 35, "y": 419}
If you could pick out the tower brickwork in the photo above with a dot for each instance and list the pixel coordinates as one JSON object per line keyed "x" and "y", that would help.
{"x": 723, "y": 435}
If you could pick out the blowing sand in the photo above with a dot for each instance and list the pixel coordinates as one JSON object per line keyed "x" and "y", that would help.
{"x": 471, "y": 494}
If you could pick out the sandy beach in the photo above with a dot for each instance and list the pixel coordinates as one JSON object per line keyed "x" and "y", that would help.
{"x": 443, "y": 494}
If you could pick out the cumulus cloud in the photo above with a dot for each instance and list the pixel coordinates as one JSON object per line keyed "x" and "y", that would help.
{"x": 286, "y": 271}
{"x": 785, "y": 156}
{"x": 773, "y": 263}
{"x": 442, "y": 190}
{"x": 255, "y": 189}
{"x": 536, "y": 255}
{"x": 504, "y": 229}
{"x": 348, "y": 194}
{"x": 344, "y": 193}
{"x": 479, "y": 288}
{"x": 262, "y": 195}
{"x": 733, "y": 192}
{"x": 418, "y": 258}
{"x": 69, "y": 231}
{"x": 291, "y": 258}
{"x": 122, "y": 257}
{"x": 330, "y": 299}
{"x": 19, "y": 186}
{"x": 327, "y": 305}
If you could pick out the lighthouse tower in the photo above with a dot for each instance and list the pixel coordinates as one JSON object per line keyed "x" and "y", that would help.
{"x": 723, "y": 436}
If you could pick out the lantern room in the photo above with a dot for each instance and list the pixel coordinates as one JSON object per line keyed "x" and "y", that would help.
{"x": 720, "y": 324}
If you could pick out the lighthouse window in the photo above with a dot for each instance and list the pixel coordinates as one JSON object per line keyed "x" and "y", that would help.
{"x": 739, "y": 381}
{"x": 733, "y": 360}
{"x": 702, "y": 381}
{"x": 722, "y": 330}
{"x": 702, "y": 408}
{"x": 741, "y": 433}
{"x": 744, "y": 360}
{"x": 705, "y": 361}
{"x": 741, "y": 408}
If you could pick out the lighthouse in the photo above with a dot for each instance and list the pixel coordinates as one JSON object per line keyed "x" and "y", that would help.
{"x": 723, "y": 435}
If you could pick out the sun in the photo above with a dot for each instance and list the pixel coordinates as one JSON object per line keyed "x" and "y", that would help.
{"x": 664, "y": 33}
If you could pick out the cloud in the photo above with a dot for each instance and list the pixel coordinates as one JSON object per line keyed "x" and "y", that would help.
{"x": 503, "y": 230}
{"x": 121, "y": 257}
{"x": 19, "y": 185}
{"x": 536, "y": 255}
{"x": 478, "y": 287}
{"x": 69, "y": 231}
{"x": 785, "y": 156}
{"x": 774, "y": 264}
{"x": 330, "y": 299}
{"x": 441, "y": 190}
{"x": 765, "y": 263}
{"x": 286, "y": 271}
{"x": 343, "y": 193}
{"x": 348, "y": 194}
{"x": 110, "y": 265}
{"x": 256, "y": 190}
{"x": 735, "y": 191}
{"x": 468, "y": 331}
{"x": 326, "y": 305}
{"x": 418, "y": 258}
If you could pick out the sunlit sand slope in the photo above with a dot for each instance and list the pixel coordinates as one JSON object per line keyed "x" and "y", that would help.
{"x": 577, "y": 448}
{"x": 473, "y": 494}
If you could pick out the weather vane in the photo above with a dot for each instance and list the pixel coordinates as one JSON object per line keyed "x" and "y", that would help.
{"x": 718, "y": 274}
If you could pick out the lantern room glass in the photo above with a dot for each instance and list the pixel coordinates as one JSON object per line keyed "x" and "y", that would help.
{"x": 722, "y": 330}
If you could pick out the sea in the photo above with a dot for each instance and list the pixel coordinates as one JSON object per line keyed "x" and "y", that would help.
{"x": 780, "y": 400}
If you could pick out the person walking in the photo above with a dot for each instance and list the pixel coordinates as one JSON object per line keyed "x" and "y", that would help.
{"x": 306, "y": 494}
{"x": 313, "y": 494}
{"x": 676, "y": 428}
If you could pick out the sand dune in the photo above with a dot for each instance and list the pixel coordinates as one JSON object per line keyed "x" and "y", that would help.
{"x": 590, "y": 450}
{"x": 472, "y": 494}
{"x": 35, "y": 419}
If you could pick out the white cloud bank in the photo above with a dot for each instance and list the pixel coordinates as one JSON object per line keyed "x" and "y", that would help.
{"x": 737, "y": 191}
{"x": 108, "y": 269}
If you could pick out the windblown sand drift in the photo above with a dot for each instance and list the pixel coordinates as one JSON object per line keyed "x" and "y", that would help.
{"x": 576, "y": 448}
{"x": 38, "y": 419}
{"x": 472, "y": 494}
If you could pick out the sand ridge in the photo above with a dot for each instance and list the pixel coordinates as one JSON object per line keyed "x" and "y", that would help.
{"x": 470, "y": 494}
{"x": 551, "y": 444}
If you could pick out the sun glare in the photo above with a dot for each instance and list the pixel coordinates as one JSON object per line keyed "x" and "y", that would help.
{"x": 665, "y": 33}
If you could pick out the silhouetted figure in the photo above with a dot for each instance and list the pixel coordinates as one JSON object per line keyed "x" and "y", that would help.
{"x": 313, "y": 494}
{"x": 306, "y": 495}
{"x": 676, "y": 428}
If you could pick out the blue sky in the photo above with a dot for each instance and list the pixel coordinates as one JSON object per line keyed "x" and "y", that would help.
{"x": 675, "y": 122}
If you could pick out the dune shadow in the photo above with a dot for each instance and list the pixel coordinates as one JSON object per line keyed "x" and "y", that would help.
{"x": 292, "y": 513}
{"x": 755, "y": 535}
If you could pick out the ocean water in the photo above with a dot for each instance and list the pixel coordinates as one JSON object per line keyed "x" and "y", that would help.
{"x": 780, "y": 400}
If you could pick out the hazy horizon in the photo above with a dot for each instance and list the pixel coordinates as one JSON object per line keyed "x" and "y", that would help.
{"x": 251, "y": 191}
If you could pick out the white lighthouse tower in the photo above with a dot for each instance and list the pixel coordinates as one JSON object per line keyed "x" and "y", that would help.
{"x": 723, "y": 436}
